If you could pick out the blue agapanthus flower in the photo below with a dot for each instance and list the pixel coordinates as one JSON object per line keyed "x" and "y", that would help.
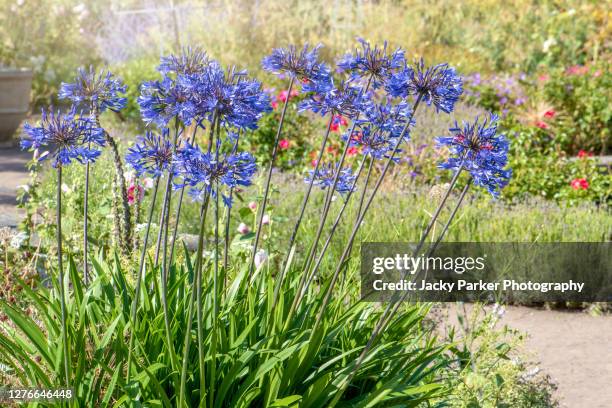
{"x": 64, "y": 138}
{"x": 372, "y": 63}
{"x": 374, "y": 142}
{"x": 235, "y": 103}
{"x": 192, "y": 61}
{"x": 161, "y": 101}
{"x": 438, "y": 85}
{"x": 325, "y": 174}
{"x": 205, "y": 172}
{"x": 152, "y": 155}
{"x": 387, "y": 117}
{"x": 481, "y": 151}
{"x": 100, "y": 89}
{"x": 303, "y": 65}
{"x": 345, "y": 100}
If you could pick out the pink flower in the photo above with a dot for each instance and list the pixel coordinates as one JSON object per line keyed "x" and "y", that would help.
{"x": 253, "y": 205}
{"x": 313, "y": 163}
{"x": 543, "y": 77}
{"x": 583, "y": 154}
{"x": 352, "y": 151}
{"x": 579, "y": 184}
{"x": 135, "y": 193}
{"x": 549, "y": 114}
{"x": 597, "y": 73}
{"x": 577, "y": 70}
{"x": 274, "y": 104}
{"x": 284, "y": 144}
{"x": 243, "y": 228}
{"x": 282, "y": 95}
{"x": 541, "y": 125}
{"x": 265, "y": 220}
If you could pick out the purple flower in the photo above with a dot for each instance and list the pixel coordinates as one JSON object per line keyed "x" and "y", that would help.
{"x": 438, "y": 85}
{"x": 161, "y": 101}
{"x": 325, "y": 174}
{"x": 477, "y": 148}
{"x": 303, "y": 65}
{"x": 372, "y": 63}
{"x": 192, "y": 61}
{"x": 152, "y": 155}
{"x": 345, "y": 100}
{"x": 100, "y": 90}
{"x": 65, "y": 138}
{"x": 206, "y": 172}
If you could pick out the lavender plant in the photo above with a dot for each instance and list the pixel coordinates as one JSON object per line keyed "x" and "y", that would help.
{"x": 98, "y": 92}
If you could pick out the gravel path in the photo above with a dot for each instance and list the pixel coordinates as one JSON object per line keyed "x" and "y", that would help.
{"x": 12, "y": 174}
{"x": 574, "y": 348}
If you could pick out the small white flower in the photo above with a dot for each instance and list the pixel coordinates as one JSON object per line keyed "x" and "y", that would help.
{"x": 18, "y": 240}
{"x": 265, "y": 220}
{"x": 548, "y": 43}
{"x": 243, "y": 228}
{"x": 129, "y": 176}
{"x": 25, "y": 187}
{"x": 66, "y": 189}
{"x": 260, "y": 257}
{"x": 140, "y": 227}
{"x": 148, "y": 183}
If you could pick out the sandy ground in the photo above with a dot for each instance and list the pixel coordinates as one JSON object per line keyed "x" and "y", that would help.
{"x": 574, "y": 348}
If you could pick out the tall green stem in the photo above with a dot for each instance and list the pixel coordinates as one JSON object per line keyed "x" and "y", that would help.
{"x": 139, "y": 279}
{"x": 298, "y": 222}
{"x": 61, "y": 276}
{"x": 269, "y": 177}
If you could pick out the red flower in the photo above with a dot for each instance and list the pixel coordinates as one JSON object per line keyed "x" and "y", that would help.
{"x": 352, "y": 151}
{"x": 549, "y": 114}
{"x": 543, "y": 78}
{"x": 579, "y": 184}
{"x": 283, "y": 144}
{"x": 541, "y": 125}
{"x": 582, "y": 154}
{"x": 338, "y": 121}
{"x": 274, "y": 104}
{"x": 332, "y": 150}
{"x": 134, "y": 194}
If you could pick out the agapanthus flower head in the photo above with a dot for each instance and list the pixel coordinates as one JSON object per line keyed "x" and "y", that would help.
{"x": 324, "y": 178}
{"x": 206, "y": 172}
{"x": 344, "y": 100}
{"x": 438, "y": 85}
{"x": 478, "y": 148}
{"x": 374, "y": 142}
{"x": 372, "y": 62}
{"x": 387, "y": 117}
{"x": 192, "y": 61}
{"x": 152, "y": 155}
{"x": 235, "y": 101}
{"x": 64, "y": 138}
{"x": 303, "y": 65}
{"x": 98, "y": 89}
{"x": 161, "y": 101}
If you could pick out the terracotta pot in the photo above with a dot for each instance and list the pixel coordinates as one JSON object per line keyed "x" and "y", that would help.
{"x": 15, "y": 87}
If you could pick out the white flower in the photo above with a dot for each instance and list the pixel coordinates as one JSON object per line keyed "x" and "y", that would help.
{"x": 260, "y": 257}
{"x": 243, "y": 228}
{"x": 148, "y": 183}
{"x": 498, "y": 310}
{"x": 265, "y": 220}
{"x": 18, "y": 240}
{"x": 129, "y": 176}
{"x": 548, "y": 43}
{"x": 66, "y": 189}
{"x": 25, "y": 187}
